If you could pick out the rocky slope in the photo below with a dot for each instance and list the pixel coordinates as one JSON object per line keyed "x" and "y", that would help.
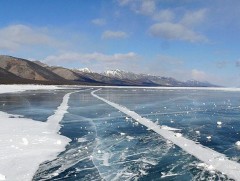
{"x": 17, "y": 70}
{"x": 154, "y": 80}
{"x": 27, "y": 70}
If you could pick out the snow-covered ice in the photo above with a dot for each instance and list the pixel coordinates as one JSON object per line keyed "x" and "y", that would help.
{"x": 169, "y": 128}
{"x": 26, "y": 143}
{"x": 2, "y": 177}
{"x": 178, "y": 135}
{"x": 20, "y": 88}
{"x": 228, "y": 89}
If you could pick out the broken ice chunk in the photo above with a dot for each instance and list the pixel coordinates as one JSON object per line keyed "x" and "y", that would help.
{"x": 219, "y": 123}
{"x": 237, "y": 143}
{"x": 208, "y": 137}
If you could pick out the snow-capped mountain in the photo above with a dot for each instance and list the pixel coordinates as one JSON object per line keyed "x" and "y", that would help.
{"x": 158, "y": 80}
{"x": 86, "y": 70}
{"x": 120, "y": 74}
{"x": 152, "y": 79}
{"x": 17, "y": 70}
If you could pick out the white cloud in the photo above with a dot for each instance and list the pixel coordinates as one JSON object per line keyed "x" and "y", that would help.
{"x": 90, "y": 57}
{"x": 125, "y": 2}
{"x": 194, "y": 18}
{"x": 99, "y": 21}
{"x": 171, "y": 25}
{"x": 114, "y": 35}
{"x": 169, "y": 60}
{"x": 199, "y": 75}
{"x": 164, "y": 15}
{"x": 14, "y": 37}
{"x": 175, "y": 31}
{"x": 147, "y": 7}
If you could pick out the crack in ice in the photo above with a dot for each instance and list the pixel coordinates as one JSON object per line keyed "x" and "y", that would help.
{"x": 215, "y": 160}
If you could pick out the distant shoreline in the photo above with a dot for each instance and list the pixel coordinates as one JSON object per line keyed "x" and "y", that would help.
{"x": 10, "y": 88}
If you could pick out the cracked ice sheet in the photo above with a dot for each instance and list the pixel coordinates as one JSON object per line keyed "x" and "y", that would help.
{"x": 25, "y": 143}
{"x": 213, "y": 159}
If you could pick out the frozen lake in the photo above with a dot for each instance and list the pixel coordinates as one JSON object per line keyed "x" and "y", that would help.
{"x": 108, "y": 145}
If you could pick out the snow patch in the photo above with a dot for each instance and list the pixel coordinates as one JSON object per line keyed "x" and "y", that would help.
{"x": 237, "y": 143}
{"x": 169, "y": 128}
{"x": 85, "y": 70}
{"x": 164, "y": 175}
{"x": 122, "y": 134}
{"x": 2, "y": 177}
{"x": 209, "y": 137}
{"x": 219, "y": 123}
{"x": 20, "y": 88}
{"x": 25, "y": 141}
{"x": 25, "y": 144}
{"x": 178, "y": 135}
{"x": 198, "y": 132}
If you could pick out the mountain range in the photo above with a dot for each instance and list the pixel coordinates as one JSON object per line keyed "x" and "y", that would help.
{"x": 21, "y": 71}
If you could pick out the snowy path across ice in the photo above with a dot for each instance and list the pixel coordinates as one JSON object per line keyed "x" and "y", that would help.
{"x": 25, "y": 143}
{"x": 213, "y": 161}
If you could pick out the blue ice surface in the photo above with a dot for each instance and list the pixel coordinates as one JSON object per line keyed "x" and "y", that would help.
{"x": 191, "y": 111}
{"x": 107, "y": 146}
{"x": 37, "y": 105}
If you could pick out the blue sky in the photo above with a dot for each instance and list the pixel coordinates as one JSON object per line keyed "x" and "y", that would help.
{"x": 187, "y": 39}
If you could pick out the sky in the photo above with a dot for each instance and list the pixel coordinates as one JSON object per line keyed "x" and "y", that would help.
{"x": 183, "y": 39}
